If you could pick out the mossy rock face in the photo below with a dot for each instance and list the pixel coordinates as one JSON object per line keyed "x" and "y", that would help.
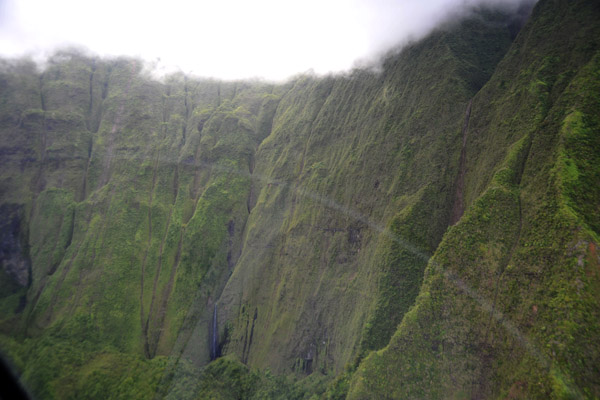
{"x": 131, "y": 217}
{"x": 506, "y": 303}
{"x": 426, "y": 231}
{"x": 351, "y": 163}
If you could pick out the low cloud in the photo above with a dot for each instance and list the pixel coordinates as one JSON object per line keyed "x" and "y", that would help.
{"x": 228, "y": 39}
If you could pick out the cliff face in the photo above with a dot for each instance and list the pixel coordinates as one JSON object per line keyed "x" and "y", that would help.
{"x": 425, "y": 230}
{"x": 508, "y": 306}
{"x": 131, "y": 197}
{"x": 351, "y": 163}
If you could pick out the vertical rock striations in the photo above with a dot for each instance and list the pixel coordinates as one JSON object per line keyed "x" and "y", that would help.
{"x": 426, "y": 231}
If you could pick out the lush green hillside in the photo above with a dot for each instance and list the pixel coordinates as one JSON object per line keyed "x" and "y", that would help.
{"x": 427, "y": 230}
{"x": 509, "y": 305}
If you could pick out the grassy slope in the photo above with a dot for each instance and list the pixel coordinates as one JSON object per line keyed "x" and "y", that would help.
{"x": 508, "y": 308}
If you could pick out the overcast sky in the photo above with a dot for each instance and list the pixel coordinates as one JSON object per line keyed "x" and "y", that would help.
{"x": 228, "y": 39}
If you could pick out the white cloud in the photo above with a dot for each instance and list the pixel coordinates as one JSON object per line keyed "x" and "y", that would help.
{"x": 225, "y": 38}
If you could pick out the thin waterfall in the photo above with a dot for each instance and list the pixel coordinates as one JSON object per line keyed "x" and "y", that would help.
{"x": 214, "y": 349}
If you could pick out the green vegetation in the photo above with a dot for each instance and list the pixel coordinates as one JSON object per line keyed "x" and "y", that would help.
{"x": 427, "y": 231}
{"x": 506, "y": 307}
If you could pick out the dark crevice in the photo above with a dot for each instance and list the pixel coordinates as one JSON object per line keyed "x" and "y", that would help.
{"x": 270, "y": 126}
{"x": 71, "y": 230}
{"x": 234, "y": 91}
{"x": 88, "y": 120}
{"x": 187, "y": 112}
{"x": 196, "y": 181}
{"x": 105, "y": 85}
{"x": 97, "y": 115}
{"x": 265, "y": 125}
{"x": 14, "y": 248}
{"x": 144, "y": 260}
{"x": 95, "y": 121}
{"x": 252, "y": 330}
{"x": 214, "y": 336}
{"x": 251, "y": 164}
{"x": 30, "y": 316}
{"x": 42, "y": 99}
{"x": 165, "y": 113}
{"x": 83, "y": 193}
{"x": 250, "y": 201}
{"x": 523, "y": 161}
{"x": 245, "y": 358}
{"x": 75, "y": 254}
{"x": 101, "y": 234}
{"x": 90, "y": 147}
{"x": 458, "y": 207}
{"x": 53, "y": 268}
{"x": 56, "y": 263}
{"x": 176, "y": 184}
{"x": 22, "y": 304}
{"x": 38, "y": 181}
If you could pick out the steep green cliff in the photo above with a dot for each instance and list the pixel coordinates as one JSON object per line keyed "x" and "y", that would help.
{"x": 428, "y": 230}
{"x": 509, "y": 305}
